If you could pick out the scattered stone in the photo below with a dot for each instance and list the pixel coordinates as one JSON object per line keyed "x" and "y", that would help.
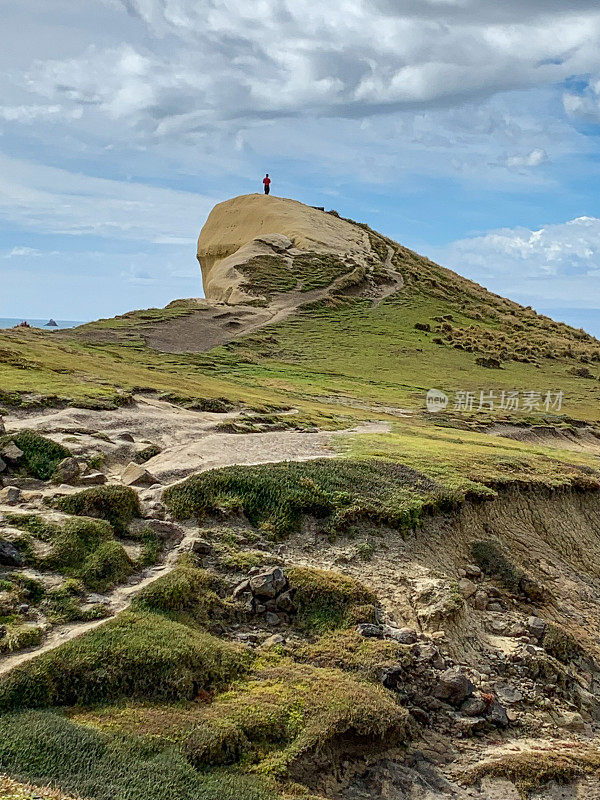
{"x": 201, "y": 547}
{"x": 571, "y": 720}
{"x": 272, "y": 641}
{"x": 2, "y": 465}
{"x": 10, "y": 495}
{"x": 473, "y": 571}
{"x": 247, "y": 601}
{"x": 480, "y": 600}
{"x": 260, "y": 609}
{"x": 453, "y": 686}
{"x": 473, "y": 707}
{"x": 468, "y": 726}
{"x": 494, "y": 606}
{"x": 466, "y": 587}
{"x": 2, "y": 428}
{"x": 497, "y": 716}
{"x": 11, "y": 453}
{"x": 285, "y": 602}
{"x": 126, "y": 436}
{"x": 240, "y": 589}
{"x": 165, "y": 530}
{"x": 509, "y": 694}
{"x": 136, "y": 475}
{"x": 400, "y": 635}
{"x": 537, "y": 628}
{"x": 9, "y": 555}
{"x": 272, "y": 619}
{"x": 3, "y": 631}
{"x": 67, "y": 471}
{"x": 391, "y": 677}
{"x": 23, "y": 609}
{"x": 93, "y": 479}
{"x": 370, "y": 631}
{"x": 268, "y": 584}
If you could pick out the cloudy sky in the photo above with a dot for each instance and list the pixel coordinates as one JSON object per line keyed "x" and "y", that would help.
{"x": 466, "y": 129}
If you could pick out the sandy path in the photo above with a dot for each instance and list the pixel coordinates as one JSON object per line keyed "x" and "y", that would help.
{"x": 398, "y": 280}
{"x": 119, "y": 599}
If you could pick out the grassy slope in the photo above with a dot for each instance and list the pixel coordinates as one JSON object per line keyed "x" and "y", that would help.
{"x": 327, "y": 353}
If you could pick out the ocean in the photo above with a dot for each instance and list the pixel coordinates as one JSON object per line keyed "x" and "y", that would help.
{"x": 10, "y": 322}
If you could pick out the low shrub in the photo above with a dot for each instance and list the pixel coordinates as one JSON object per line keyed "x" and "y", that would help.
{"x": 116, "y": 504}
{"x": 562, "y": 645}
{"x": 326, "y": 599}
{"x": 138, "y": 655}
{"x": 276, "y": 496}
{"x": 41, "y": 456}
{"x": 106, "y": 567}
{"x": 63, "y": 604}
{"x": 18, "y": 637}
{"x": 46, "y": 748}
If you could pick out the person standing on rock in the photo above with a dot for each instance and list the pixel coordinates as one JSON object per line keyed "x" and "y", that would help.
{"x": 267, "y": 183}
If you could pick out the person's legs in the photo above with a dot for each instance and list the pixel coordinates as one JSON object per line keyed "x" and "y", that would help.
{"x": 267, "y": 188}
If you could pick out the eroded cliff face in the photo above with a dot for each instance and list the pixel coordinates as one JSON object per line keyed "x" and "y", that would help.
{"x": 256, "y": 234}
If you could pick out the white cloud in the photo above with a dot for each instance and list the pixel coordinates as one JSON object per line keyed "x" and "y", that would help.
{"x": 229, "y": 60}
{"x": 534, "y": 158}
{"x": 558, "y": 263}
{"x": 52, "y": 200}
{"x": 18, "y": 252}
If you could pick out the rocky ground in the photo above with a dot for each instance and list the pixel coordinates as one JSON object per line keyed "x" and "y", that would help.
{"x": 496, "y": 683}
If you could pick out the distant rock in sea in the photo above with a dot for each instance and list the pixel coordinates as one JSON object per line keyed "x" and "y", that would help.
{"x": 51, "y": 324}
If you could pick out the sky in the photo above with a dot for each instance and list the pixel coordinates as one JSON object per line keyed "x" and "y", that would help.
{"x": 468, "y": 130}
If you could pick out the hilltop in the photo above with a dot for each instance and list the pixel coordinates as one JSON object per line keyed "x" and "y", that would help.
{"x": 239, "y": 558}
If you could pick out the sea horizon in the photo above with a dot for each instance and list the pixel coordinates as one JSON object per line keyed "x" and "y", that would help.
{"x": 36, "y": 322}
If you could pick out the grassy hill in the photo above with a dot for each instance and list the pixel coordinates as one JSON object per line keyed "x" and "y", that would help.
{"x": 439, "y": 577}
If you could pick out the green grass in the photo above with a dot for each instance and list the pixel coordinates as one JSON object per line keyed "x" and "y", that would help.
{"x": 116, "y": 504}
{"x": 137, "y": 655}
{"x": 327, "y": 599}
{"x": 188, "y": 594}
{"x": 271, "y": 721}
{"x": 276, "y": 496}
{"x": 81, "y": 548}
{"x": 41, "y": 456}
{"x": 47, "y": 748}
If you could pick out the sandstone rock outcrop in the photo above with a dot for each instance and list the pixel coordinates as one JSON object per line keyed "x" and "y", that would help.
{"x": 254, "y": 225}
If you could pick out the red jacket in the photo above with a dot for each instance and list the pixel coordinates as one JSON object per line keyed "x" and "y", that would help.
{"x": 266, "y": 181}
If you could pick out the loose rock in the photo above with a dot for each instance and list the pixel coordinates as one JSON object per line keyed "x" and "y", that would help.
{"x": 11, "y": 453}
{"x": 401, "y": 635}
{"x": 369, "y": 630}
{"x": 67, "y": 471}
{"x": 10, "y": 495}
{"x": 268, "y": 584}
{"x": 9, "y": 555}
{"x": 135, "y": 475}
{"x": 453, "y": 686}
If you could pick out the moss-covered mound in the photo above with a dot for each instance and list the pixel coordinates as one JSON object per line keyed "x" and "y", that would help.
{"x": 81, "y": 547}
{"x": 188, "y": 594}
{"x": 326, "y": 599}
{"x": 116, "y": 504}
{"x": 134, "y": 655}
{"x": 40, "y": 457}
{"x": 288, "y": 711}
{"x": 275, "y": 496}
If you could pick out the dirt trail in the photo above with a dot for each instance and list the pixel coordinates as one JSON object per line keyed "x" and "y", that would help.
{"x": 117, "y": 600}
{"x": 221, "y": 323}
{"x": 397, "y": 279}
